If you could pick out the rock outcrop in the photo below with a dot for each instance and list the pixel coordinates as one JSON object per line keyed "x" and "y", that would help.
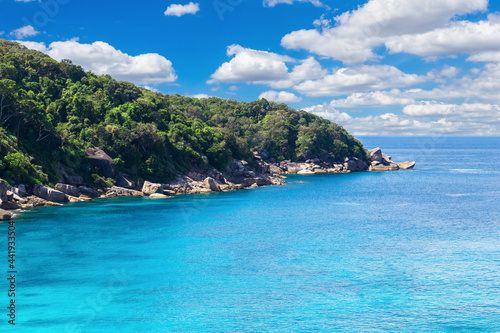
{"x": 5, "y": 215}
{"x": 34, "y": 201}
{"x": 406, "y": 165}
{"x": 122, "y": 180}
{"x": 116, "y": 191}
{"x": 99, "y": 159}
{"x": 87, "y": 191}
{"x": 68, "y": 189}
{"x": 149, "y": 188}
{"x": 309, "y": 164}
{"x": 380, "y": 162}
{"x": 211, "y": 184}
{"x": 49, "y": 194}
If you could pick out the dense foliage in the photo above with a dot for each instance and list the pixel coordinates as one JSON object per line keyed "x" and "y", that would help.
{"x": 50, "y": 111}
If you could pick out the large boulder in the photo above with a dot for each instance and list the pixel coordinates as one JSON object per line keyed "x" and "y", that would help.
{"x": 375, "y": 166}
{"x": 99, "y": 159}
{"x": 5, "y": 215}
{"x": 87, "y": 191}
{"x": 49, "y": 194}
{"x": 210, "y": 184}
{"x": 375, "y": 155}
{"x": 68, "y": 189}
{"x": 295, "y": 167}
{"x": 122, "y": 180}
{"x": 149, "y": 188}
{"x": 406, "y": 165}
{"x": 351, "y": 165}
{"x": 20, "y": 190}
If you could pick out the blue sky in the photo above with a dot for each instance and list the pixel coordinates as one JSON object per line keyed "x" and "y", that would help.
{"x": 397, "y": 67}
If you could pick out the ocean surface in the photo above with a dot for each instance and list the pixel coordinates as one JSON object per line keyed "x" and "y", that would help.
{"x": 413, "y": 251}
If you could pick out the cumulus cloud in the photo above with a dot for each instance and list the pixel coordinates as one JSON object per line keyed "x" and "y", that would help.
{"x": 395, "y": 97}
{"x": 280, "y": 97}
{"x": 251, "y": 66}
{"x": 462, "y": 37}
{"x": 486, "y": 57}
{"x": 272, "y": 3}
{"x": 392, "y": 124}
{"x": 465, "y": 110}
{"x": 262, "y": 67}
{"x": 180, "y": 10}
{"x": 359, "y": 79}
{"x": 102, "y": 58}
{"x": 26, "y": 31}
{"x": 357, "y": 32}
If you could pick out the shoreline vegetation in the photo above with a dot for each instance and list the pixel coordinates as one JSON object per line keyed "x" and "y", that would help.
{"x": 67, "y": 135}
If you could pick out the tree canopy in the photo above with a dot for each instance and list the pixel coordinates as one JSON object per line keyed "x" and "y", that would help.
{"x": 51, "y": 111}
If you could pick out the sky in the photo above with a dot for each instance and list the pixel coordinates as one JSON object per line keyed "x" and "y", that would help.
{"x": 376, "y": 67}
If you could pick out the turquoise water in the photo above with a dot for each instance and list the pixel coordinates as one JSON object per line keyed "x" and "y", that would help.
{"x": 415, "y": 250}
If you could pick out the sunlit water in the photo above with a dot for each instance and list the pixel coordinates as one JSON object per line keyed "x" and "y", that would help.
{"x": 415, "y": 250}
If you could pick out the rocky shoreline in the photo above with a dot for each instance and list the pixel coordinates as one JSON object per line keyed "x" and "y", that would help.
{"x": 238, "y": 175}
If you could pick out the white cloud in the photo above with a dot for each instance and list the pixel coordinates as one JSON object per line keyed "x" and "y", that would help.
{"x": 309, "y": 69}
{"x": 461, "y": 37}
{"x": 26, "y": 31}
{"x": 272, "y": 3}
{"x": 151, "y": 89}
{"x": 263, "y": 67}
{"x": 392, "y": 124}
{"x": 250, "y": 65}
{"x": 34, "y": 45}
{"x": 373, "y": 99}
{"x": 280, "y": 97}
{"x": 486, "y": 57}
{"x": 2, "y": 33}
{"x": 27, "y": 0}
{"x": 200, "y": 96}
{"x": 357, "y": 32}
{"x": 179, "y": 10}
{"x": 358, "y": 79}
{"x": 465, "y": 110}
{"x": 102, "y": 58}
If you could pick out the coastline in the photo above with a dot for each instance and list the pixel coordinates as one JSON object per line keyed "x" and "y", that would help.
{"x": 238, "y": 175}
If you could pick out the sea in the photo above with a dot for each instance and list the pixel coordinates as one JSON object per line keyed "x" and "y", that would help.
{"x": 402, "y": 251}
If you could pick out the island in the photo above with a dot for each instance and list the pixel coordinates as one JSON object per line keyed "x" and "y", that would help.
{"x": 68, "y": 135}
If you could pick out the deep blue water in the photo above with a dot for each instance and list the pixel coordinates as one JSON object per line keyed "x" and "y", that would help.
{"x": 415, "y": 251}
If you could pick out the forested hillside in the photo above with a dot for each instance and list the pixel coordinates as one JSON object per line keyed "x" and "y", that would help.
{"x": 51, "y": 111}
